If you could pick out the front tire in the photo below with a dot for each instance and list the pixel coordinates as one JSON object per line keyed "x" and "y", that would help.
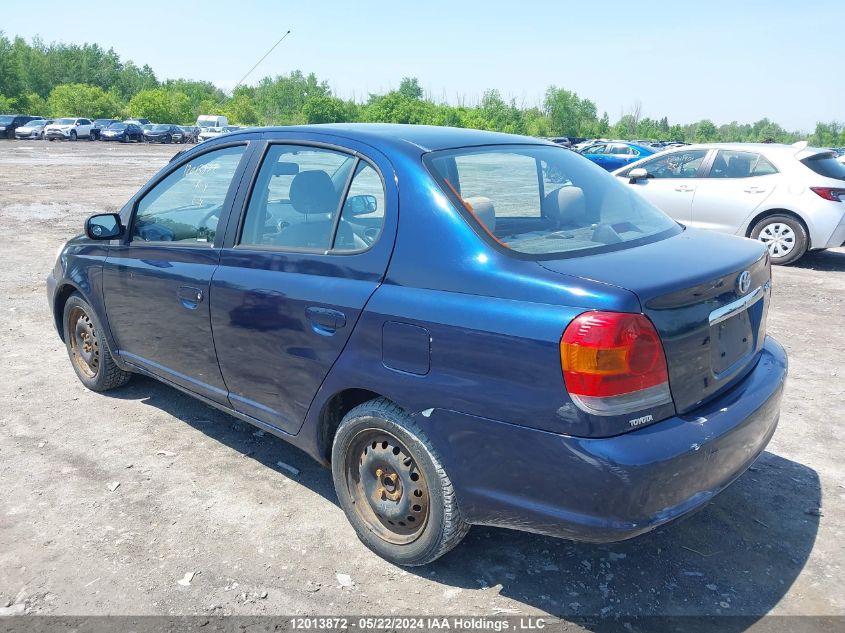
{"x": 72, "y": 135}
{"x": 784, "y": 236}
{"x": 392, "y": 486}
{"x": 89, "y": 354}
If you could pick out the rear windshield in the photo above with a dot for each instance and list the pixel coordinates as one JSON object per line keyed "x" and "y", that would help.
{"x": 546, "y": 202}
{"x": 118, "y": 126}
{"x": 826, "y": 165}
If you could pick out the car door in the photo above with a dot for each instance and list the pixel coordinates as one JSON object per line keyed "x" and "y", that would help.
{"x": 736, "y": 184}
{"x": 618, "y": 155}
{"x": 155, "y": 282}
{"x": 83, "y": 128}
{"x": 596, "y": 153}
{"x": 294, "y": 275}
{"x": 671, "y": 182}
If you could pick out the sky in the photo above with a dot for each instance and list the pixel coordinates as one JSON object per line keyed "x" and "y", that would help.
{"x": 740, "y": 60}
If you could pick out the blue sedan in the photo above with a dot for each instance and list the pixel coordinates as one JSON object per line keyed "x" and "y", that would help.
{"x": 460, "y": 338}
{"x": 615, "y": 154}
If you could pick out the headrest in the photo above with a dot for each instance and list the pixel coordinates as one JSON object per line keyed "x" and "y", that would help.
{"x": 313, "y": 192}
{"x": 739, "y": 167}
{"x": 285, "y": 169}
{"x": 484, "y": 211}
{"x": 566, "y": 206}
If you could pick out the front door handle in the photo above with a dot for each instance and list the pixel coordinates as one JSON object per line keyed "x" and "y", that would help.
{"x": 684, "y": 188}
{"x": 190, "y": 297}
{"x": 754, "y": 190}
{"x": 325, "y": 320}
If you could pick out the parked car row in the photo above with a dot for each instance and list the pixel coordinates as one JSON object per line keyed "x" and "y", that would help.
{"x": 74, "y": 128}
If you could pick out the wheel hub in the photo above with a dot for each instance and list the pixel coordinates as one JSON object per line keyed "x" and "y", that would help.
{"x": 779, "y": 238}
{"x": 390, "y": 493}
{"x": 84, "y": 344}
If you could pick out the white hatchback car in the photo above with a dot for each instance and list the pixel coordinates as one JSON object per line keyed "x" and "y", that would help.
{"x": 790, "y": 197}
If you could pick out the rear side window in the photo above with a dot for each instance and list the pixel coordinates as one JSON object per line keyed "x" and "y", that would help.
{"x": 186, "y": 206}
{"x": 826, "y": 165}
{"x": 737, "y": 164}
{"x": 544, "y": 201}
{"x": 297, "y": 196}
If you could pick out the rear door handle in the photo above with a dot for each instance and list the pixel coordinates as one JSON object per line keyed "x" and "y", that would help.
{"x": 190, "y": 297}
{"x": 754, "y": 190}
{"x": 325, "y": 320}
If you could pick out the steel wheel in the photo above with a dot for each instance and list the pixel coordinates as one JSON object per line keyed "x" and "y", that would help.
{"x": 84, "y": 344}
{"x": 779, "y": 238}
{"x": 389, "y": 491}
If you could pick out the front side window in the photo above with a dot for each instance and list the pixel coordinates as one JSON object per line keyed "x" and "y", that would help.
{"x": 545, "y": 202}
{"x": 623, "y": 150}
{"x": 186, "y": 206}
{"x": 596, "y": 149}
{"x": 675, "y": 165}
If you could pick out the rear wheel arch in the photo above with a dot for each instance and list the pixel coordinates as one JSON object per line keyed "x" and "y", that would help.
{"x": 333, "y": 412}
{"x": 763, "y": 214}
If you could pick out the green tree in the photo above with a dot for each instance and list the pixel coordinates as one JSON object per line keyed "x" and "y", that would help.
{"x": 83, "y": 101}
{"x": 706, "y": 132}
{"x": 325, "y": 109}
{"x": 409, "y": 87}
{"x": 162, "y": 106}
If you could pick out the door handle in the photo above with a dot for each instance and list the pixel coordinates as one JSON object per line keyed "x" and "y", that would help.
{"x": 684, "y": 188}
{"x": 325, "y": 320}
{"x": 754, "y": 190}
{"x": 190, "y": 297}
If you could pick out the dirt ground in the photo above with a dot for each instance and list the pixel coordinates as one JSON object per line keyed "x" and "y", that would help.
{"x": 199, "y": 492}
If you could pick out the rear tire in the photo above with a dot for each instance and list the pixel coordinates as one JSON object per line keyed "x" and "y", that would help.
{"x": 88, "y": 351}
{"x": 392, "y": 486}
{"x": 784, "y": 236}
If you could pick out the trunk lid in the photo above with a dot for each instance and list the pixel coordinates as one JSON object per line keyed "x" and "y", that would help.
{"x": 712, "y": 326}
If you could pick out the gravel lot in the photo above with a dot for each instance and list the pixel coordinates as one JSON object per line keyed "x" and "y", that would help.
{"x": 200, "y": 492}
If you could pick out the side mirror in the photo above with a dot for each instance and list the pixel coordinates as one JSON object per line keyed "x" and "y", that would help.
{"x": 360, "y": 205}
{"x": 637, "y": 174}
{"x": 103, "y": 226}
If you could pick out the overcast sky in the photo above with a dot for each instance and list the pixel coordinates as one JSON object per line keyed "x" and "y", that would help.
{"x": 737, "y": 60}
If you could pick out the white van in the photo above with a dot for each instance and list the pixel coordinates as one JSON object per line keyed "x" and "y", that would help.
{"x": 205, "y": 121}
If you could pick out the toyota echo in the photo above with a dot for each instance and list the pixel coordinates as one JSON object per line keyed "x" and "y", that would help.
{"x": 467, "y": 327}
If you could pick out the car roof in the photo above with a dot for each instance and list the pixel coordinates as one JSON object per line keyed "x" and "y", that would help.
{"x": 409, "y": 138}
{"x": 799, "y": 150}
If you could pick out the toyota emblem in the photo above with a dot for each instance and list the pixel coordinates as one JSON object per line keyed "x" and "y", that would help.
{"x": 743, "y": 282}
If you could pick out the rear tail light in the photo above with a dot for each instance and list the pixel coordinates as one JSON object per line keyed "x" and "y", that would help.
{"x": 834, "y": 195}
{"x": 613, "y": 363}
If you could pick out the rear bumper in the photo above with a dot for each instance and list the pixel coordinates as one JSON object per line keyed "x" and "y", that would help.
{"x": 609, "y": 489}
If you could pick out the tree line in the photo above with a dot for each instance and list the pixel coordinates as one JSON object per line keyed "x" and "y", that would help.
{"x": 59, "y": 79}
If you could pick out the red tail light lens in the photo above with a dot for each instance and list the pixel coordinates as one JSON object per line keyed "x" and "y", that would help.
{"x": 834, "y": 195}
{"x": 614, "y": 363}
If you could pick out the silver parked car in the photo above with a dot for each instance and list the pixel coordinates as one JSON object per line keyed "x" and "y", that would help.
{"x": 790, "y": 197}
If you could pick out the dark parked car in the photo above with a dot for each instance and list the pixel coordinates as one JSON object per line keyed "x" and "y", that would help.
{"x": 507, "y": 351}
{"x": 191, "y": 133}
{"x": 10, "y": 122}
{"x": 163, "y": 133}
{"x": 99, "y": 125}
{"x": 124, "y": 132}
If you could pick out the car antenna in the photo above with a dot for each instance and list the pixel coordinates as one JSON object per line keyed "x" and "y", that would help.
{"x": 272, "y": 48}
